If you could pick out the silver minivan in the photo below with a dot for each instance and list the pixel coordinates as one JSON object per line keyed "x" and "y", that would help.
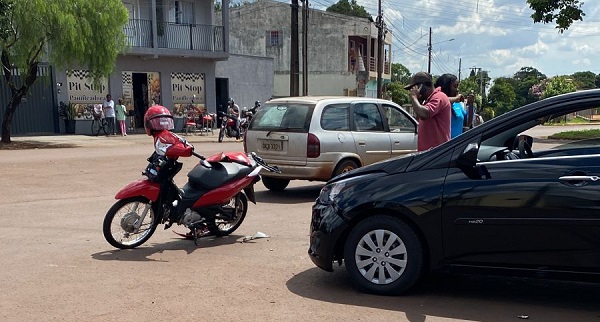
{"x": 317, "y": 138}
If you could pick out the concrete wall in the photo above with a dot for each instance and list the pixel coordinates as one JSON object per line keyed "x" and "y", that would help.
{"x": 327, "y": 37}
{"x": 250, "y": 78}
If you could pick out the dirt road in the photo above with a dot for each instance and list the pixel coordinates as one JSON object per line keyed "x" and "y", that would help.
{"x": 56, "y": 265}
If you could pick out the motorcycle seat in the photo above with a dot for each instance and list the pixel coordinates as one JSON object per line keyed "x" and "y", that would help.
{"x": 220, "y": 173}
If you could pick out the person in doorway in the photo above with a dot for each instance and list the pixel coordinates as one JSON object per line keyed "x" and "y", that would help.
{"x": 433, "y": 113}
{"x": 449, "y": 85}
{"x": 108, "y": 106}
{"x": 234, "y": 110}
{"x": 120, "y": 112}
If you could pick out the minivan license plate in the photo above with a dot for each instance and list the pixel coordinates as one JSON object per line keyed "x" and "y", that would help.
{"x": 272, "y": 145}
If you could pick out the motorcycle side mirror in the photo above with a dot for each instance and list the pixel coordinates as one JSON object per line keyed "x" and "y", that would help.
{"x": 205, "y": 164}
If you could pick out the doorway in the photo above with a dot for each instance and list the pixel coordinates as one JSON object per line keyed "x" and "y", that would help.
{"x": 222, "y": 94}
{"x": 140, "y": 97}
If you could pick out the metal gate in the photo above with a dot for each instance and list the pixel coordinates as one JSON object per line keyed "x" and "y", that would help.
{"x": 37, "y": 112}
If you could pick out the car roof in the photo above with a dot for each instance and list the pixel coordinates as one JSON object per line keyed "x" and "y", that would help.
{"x": 316, "y": 99}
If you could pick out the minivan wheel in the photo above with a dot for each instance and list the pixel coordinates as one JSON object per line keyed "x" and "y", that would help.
{"x": 275, "y": 184}
{"x": 344, "y": 166}
{"x": 383, "y": 256}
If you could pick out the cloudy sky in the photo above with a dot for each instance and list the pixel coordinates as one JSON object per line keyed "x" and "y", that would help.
{"x": 498, "y": 36}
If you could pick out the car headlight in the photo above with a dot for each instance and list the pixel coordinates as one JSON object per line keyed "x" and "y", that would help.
{"x": 330, "y": 191}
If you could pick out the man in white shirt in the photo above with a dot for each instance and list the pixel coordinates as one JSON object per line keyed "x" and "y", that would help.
{"x": 108, "y": 107}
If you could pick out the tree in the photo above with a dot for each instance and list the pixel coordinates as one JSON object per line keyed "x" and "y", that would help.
{"x": 564, "y": 12}
{"x": 349, "y": 8}
{"x": 66, "y": 33}
{"x": 398, "y": 94}
{"x": 584, "y": 80}
{"x": 559, "y": 85}
{"x": 502, "y": 95}
{"x": 400, "y": 73}
{"x": 524, "y": 79}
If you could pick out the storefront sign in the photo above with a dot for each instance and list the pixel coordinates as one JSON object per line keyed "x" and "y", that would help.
{"x": 187, "y": 87}
{"x": 81, "y": 88}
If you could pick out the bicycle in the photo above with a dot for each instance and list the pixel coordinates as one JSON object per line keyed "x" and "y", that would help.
{"x": 99, "y": 122}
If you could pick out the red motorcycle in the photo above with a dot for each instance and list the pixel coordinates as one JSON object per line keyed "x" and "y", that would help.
{"x": 214, "y": 201}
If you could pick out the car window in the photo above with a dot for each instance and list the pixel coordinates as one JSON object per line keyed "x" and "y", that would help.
{"x": 282, "y": 117}
{"x": 397, "y": 121}
{"x": 335, "y": 117}
{"x": 506, "y": 144}
{"x": 367, "y": 117}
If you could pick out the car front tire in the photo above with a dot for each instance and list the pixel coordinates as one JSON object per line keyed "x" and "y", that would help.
{"x": 383, "y": 256}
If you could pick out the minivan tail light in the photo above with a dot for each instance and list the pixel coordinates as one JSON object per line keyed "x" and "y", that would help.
{"x": 313, "y": 146}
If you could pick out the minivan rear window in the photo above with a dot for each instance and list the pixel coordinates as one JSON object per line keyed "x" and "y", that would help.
{"x": 282, "y": 117}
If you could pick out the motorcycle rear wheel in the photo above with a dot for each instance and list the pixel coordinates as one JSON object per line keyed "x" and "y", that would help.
{"x": 223, "y": 227}
{"x": 119, "y": 224}
{"x": 221, "y": 134}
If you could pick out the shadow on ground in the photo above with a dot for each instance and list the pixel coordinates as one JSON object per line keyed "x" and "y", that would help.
{"x": 145, "y": 252}
{"x": 291, "y": 195}
{"x": 462, "y": 296}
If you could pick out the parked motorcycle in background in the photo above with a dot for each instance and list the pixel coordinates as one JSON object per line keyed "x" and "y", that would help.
{"x": 229, "y": 127}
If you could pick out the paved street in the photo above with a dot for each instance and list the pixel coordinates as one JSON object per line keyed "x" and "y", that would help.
{"x": 56, "y": 265}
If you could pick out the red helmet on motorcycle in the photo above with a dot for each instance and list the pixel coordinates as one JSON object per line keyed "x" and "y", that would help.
{"x": 158, "y": 118}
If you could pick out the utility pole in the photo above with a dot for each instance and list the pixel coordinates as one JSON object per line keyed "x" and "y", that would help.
{"x": 380, "y": 25}
{"x": 429, "y": 50}
{"x": 295, "y": 64}
{"x": 459, "y": 68}
{"x": 305, "y": 47}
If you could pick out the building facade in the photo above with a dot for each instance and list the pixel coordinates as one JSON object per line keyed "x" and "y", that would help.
{"x": 341, "y": 51}
{"x": 174, "y": 47}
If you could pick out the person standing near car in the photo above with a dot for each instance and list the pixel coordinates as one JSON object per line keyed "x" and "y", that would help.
{"x": 108, "y": 106}
{"x": 433, "y": 113}
{"x": 470, "y": 107}
{"x": 449, "y": 85}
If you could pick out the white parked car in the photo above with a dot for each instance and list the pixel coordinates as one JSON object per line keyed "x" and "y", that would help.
{"x": 317, "y": 138}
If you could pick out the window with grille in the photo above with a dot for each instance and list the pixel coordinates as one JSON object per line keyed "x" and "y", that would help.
{"x": 274, "y": 38}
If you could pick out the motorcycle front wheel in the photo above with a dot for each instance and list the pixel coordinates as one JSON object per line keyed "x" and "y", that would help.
{"x": 224, "y": 225}
{"x": 129, "y": 223}
{"x": 221, "y": 134}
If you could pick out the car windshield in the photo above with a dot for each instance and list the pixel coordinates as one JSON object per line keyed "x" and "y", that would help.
{"x": 282, "y": 117}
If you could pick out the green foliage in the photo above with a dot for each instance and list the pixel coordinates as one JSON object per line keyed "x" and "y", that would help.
{"x": 400, "y": 73}
{"x": 67, "y": 111}
{"x": 559, "y": 85}
{"x": 564, "y": 12}
{"x": 79, "y": 32}
{"x": 502, "y": 95}
{"x": 397, "y": 93}
{"x": 5, "y": 9}
{"x": 584, "y": 80}
{"x": 576, "y": 135}
{"x": 350, "y": 8}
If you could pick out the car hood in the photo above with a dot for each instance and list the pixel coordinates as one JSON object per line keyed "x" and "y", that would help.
{"x": 393, "y": 165}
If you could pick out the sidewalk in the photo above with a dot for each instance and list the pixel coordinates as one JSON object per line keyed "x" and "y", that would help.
{"x": 70, "y": 140}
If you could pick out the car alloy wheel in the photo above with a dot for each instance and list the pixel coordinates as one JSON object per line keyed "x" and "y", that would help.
{"x": 383, "y": 255}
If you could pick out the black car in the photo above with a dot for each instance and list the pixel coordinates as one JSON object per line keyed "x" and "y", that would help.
{"x": 489, "y": 199}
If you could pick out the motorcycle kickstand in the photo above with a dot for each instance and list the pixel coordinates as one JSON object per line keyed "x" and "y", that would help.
{"x": 195, "y": 234}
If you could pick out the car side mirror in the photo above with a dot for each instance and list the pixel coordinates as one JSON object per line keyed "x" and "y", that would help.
{"x": 468, "y": 158}
{"x": 467, "y": 162}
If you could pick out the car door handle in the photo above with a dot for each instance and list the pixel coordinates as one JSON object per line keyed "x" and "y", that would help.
{"x": 579, "y": 178}
{"x": 362, "y": 143}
